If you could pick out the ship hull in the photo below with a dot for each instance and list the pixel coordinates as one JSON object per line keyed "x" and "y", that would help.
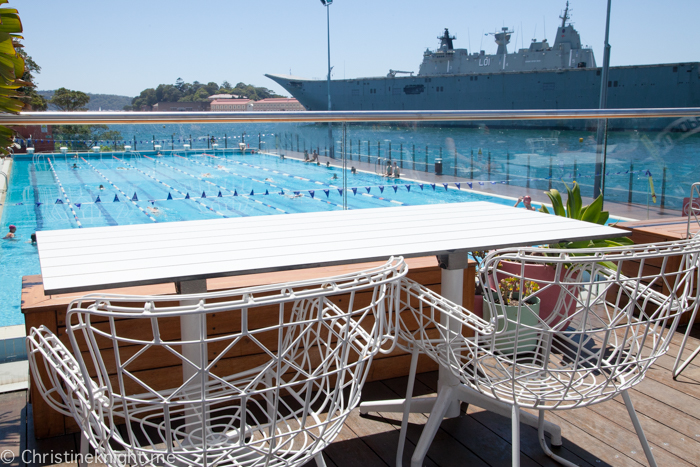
{"x": 648, "y": 86}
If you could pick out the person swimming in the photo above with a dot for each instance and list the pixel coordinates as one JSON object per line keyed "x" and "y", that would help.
{"x": 269, "y": 179}
{"x": 11, "y": 233}
{"x": 102, "y": 187}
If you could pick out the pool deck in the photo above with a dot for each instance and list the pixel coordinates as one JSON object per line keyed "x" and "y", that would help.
{"x": 601, "y": 435}
{"x": 512, "y": 192}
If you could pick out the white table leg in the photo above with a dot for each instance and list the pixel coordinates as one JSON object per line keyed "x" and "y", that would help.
{"x": 193, "y": 328}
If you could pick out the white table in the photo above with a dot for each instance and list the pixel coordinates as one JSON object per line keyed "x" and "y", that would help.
{"x": 188, "y": 253}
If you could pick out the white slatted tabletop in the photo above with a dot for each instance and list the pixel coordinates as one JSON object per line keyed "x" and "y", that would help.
{"x": 120, "y": 256}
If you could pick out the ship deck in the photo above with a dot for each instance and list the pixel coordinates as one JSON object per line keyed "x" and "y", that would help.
{"x": 669, "y": 412}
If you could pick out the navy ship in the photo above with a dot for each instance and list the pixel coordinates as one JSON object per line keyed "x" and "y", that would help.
{"x": 562, "y": 75}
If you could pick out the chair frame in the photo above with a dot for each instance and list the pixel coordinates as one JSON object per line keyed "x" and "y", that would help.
{"x": 620, "y": 326}
{"x": 282, "y": 407}
{"x": 693, "y": 213}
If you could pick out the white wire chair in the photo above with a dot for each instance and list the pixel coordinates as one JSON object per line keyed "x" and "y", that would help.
{"x": 609, "y": 323}
{"x": 693, "y": 214}
{"x": 280, "y": 368}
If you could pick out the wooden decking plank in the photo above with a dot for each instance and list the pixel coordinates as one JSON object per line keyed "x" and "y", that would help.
{"x": 663, "y": 376}
{"x": 659, "y": 435}
{"x": 683, "y": 424}
{"x": 669, "y": 396}
{"x": 501, "y": 426}
{"x": 381, "y": 434}
{"x": 580, "y": 437}
{"x": 347, "y": 450}
{"x": 445, "y": 450}
{"x": 614, "y": 435}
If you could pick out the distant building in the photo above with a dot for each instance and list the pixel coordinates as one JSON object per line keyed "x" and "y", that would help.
{"x": 231, "y": 105}
{"x": 180, "y": 106}
{"x": 278, "y": 104}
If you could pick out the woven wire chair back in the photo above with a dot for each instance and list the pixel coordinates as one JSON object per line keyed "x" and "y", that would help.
{"x": 281, "y": 368}
{"x": 612, "y": 314}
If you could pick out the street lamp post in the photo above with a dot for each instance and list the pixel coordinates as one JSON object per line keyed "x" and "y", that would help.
{"x": 327, "y": 4}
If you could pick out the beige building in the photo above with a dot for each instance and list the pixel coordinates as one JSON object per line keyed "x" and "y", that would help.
{"x": 278, "y": 104}
{"x": 180, "y": 106}
{"x": 231, "y": 105}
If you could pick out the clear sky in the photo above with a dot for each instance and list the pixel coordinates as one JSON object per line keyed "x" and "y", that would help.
{"x": 123, "y": 47}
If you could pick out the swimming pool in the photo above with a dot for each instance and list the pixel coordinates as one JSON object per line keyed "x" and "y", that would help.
{"x": 65, "y": 192}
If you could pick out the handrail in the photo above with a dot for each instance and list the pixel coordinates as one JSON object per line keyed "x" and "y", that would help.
{"x": 114, "y": 118}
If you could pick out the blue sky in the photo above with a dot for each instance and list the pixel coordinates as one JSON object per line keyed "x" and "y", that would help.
{"x": 124, "y": 47}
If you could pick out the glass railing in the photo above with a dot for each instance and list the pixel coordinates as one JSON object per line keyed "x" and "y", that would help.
{"x": 161, "y": 167}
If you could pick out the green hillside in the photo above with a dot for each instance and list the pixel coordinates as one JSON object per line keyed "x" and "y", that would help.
{"x": 97, "y": 101}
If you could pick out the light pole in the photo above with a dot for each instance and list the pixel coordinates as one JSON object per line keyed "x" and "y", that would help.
{"x": 601, "y": 149}
{"x": 327, "y": 4}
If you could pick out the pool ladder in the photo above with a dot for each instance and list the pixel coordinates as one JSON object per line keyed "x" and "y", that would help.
{"x": 4, "y": 187}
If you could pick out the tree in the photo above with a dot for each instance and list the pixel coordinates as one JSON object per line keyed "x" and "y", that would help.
{"x": 68, "y": 100}
{"x": 11, "y": 71}
{"x": 31, "y": 98}
{"x": 226, "y": 85}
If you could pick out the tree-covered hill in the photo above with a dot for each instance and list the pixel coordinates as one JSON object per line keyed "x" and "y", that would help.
{"x": 196, "y": 92}
{"x": 97, "y": 101}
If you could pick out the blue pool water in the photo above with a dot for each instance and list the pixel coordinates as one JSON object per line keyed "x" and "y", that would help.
{"x": 61, "y": 192}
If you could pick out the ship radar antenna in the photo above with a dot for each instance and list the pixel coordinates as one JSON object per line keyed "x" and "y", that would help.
{"x": 565, "y": 16}
{"x": 446, "y": 40}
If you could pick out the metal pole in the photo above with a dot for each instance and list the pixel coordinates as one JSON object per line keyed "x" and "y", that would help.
{"x": 527, "y": 183}
{"x": 598, "y": 173}
{"x": 426, "y": 157}
{"x": 328, "y": 23}
{"x": 629, "y": 192}
{"x": 455, "y": 161}
{"x": 663, "y": 189}
{"x": 226, "y": 141}
{"x": 208, "y": 140}
{"x": 401, "y": 155}
{"x": 172, "y": 142}
{"x": 550, "y": 173}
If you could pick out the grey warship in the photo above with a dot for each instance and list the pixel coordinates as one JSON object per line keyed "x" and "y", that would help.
{"x": 543, "y": 76}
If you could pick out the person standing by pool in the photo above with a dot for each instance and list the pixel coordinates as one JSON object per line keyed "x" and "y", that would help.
{"x": 11, "y": 234}
{"x": 526, "y": 200}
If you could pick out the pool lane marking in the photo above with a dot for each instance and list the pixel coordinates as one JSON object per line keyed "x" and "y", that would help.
{"x": 223, "y": 187}
{"x": 214, "y": 200}
{"x": 65, "y": 195}
{"x": 108, "y": 217}
{"x": 120, "y": 191}
{"x": 170, "y": 187}
{"x": 388, "y": 200}
{"x": 219, "y": 186}
{"x": 296, "y": 192}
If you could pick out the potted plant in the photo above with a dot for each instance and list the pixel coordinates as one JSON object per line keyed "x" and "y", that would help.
{"x": 545, "y": 274}
{"x": 516, "y": 312}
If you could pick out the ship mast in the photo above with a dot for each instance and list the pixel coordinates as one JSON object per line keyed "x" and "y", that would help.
{"x": 565, "y": 16}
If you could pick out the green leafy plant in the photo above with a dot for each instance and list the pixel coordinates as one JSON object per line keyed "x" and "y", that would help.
{"x": 574, "y": 209}
{"x": 11, "y": 70}
{"x": 511, "y": 293}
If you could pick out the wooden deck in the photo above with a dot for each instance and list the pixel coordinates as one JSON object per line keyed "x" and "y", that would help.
{"x": 600, "y": 435}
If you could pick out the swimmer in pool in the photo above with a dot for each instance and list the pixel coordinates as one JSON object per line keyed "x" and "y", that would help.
{"x": 269, "y": 180}
{"x": 206, "y": 175}
{"x": 102, "y": 187}
{"x": 11, "y": 233}
{"x": 335, "y": 177}
{"x": 153, "y": 210}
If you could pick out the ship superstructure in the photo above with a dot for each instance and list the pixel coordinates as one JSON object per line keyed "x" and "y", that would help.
{"x": 542, "y": 76}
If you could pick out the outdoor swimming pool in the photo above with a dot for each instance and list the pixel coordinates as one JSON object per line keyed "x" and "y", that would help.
{"x": 65, "y": 192}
